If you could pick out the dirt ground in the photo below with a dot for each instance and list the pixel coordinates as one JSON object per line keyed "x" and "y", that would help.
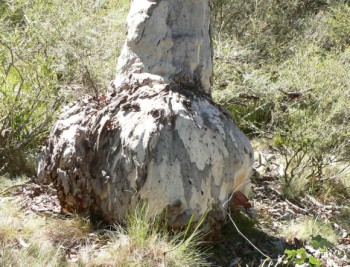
{"x": 273, "y": 213}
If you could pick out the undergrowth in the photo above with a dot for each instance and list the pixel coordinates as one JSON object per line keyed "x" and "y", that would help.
{"x": 282, "y": 69}
{"x": 73, "y": 241}
{"x": 50, "y": 53}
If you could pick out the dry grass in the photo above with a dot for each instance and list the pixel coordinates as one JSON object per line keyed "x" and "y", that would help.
{"x": 30, "y": 239}
{"x": 144, "y": 242}
{"x": 307, "y": 229}
{"x": 22, "y": 239}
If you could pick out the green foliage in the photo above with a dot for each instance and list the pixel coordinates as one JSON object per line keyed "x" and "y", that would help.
{"x": 282, "y": 70}
{"x": 300, "y": 256}
{"x": 317, "y": 244}
{"x": 264, "y": 28}
{"x": 312, "y": 131}
{"x": 304, "y": 256}
{"x": 334, "y": 33}
{"x": 50, "y": 52}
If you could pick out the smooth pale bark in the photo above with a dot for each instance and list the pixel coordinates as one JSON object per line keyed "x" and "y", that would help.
{"x": 157, "y": 136}
{"x": 169, "y": 38}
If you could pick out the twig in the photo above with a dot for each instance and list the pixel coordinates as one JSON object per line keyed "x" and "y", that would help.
{"x": 286, "y": 200}
{"x": 11, "y": 187}
{"x": 320, "y": 205}
{"x": 248, "y": 96}
{"x": 89, "y": 77}
{"x": 296, "y": 94}
{"x": 15, "y": 186}
{"x": 295, "y": 206}
{"x": 246, "y": 238}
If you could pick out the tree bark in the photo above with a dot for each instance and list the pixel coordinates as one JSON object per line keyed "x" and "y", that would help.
{"x": 170, "y": 39}
{"x": 156, "y": 136}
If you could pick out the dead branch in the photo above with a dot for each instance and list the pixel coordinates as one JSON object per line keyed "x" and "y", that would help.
{"x": 248, "y": 96}
{"x": 320, "y": 205}
{"x": 295, "y": 94}
{"x": 15, "y": 186}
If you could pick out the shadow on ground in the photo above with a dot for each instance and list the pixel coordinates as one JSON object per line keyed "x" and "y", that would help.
{"x": 234, "y": 250}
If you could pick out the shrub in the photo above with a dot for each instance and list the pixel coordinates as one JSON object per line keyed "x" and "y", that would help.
{"x": 50, "y": 52}
{"x": 334, "y": 31}
{"x": 281, "y": 81}
{"x": 265, "y": 28}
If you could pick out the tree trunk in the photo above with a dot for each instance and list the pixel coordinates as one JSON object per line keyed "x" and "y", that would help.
{"x": 169, "y": 39}
{"x": 156, "y": 136}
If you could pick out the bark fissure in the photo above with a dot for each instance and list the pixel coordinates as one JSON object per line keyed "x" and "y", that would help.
{"x": 157, "y": 136}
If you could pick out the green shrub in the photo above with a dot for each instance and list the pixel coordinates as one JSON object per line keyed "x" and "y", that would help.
{"x": 264, "y": 28}
{"x": 50, "y": 52}
{"x": 334, "y": 31}
{"x": 282, "y": 82}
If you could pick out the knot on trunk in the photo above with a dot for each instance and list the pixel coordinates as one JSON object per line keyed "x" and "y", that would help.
{"x": 156, "y": 142}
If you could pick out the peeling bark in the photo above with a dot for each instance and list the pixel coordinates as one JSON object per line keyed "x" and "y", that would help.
{"x": 157, "y": 135}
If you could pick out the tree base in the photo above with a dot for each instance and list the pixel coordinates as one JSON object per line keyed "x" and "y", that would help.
{"x": 150, "y": 141}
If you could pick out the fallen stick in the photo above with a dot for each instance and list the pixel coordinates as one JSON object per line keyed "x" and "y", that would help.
{"x": 15, "y": 186}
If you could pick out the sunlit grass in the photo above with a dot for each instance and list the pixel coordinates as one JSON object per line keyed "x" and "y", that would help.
{"x": 27, "y": 239}
{"x": 145, "y": 242}
{"x": 307, "y": 229}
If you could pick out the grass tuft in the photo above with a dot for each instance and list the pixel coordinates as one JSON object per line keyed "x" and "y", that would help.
{"x": 307, "y": 229}
{"x": 52, "y": 241}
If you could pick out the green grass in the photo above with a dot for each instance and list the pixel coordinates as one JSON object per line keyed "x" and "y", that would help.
{"x": 263, "y": 52}
{"x": 145, "y": 241}
{"x": 307, "y": 229}
{"x": 51, "y": 52}
{"x": 266, "y": 53}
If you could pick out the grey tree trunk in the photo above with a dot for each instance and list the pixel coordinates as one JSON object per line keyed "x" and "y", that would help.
{"x": 169, "y": 39}
{"x": 156, "y": 136}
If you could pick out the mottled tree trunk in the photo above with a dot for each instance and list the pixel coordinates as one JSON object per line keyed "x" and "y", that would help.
{"x": 157, "y": 135}
{"x": 169, "y": 39}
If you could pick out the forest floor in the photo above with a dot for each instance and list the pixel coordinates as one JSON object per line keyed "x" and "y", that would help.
{"x": 278, "y": 224}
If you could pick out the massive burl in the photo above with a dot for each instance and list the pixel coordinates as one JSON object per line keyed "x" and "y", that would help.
{"x": 156, "y": 136}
